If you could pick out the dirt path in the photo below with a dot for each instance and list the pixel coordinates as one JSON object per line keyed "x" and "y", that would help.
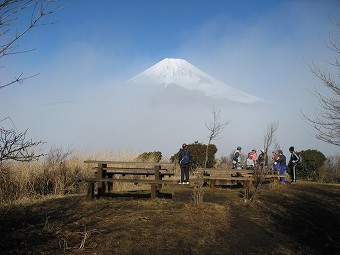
{"x": 292, "y": 219}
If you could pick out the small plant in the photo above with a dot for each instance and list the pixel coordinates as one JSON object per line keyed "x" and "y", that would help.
{"x": 198, "y": 192}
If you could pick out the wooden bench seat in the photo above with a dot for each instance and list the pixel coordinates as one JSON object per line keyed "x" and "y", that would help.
{"x": 129, "y": 168}
{"x": 220, "y": 178}
{"x": 133, "y": 180}
{"x": 123, "y": 173}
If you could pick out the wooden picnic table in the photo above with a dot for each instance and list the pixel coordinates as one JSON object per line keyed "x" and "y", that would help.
{"x": 107, "y": 172}
{"x": 235, "y": 176}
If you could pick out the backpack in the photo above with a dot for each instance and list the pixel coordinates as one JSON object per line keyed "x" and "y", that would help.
{"x": 299, "y": 158}
{"x": 236, "y": 155}
{"x": 185, "y": 157}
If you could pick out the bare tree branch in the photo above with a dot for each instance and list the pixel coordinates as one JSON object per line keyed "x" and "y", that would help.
{"x": 215, "y": 128}
{"x": 269, "y": 138}
{"x": 12, "y": 15}
{"x": 19, "y": 80}
{"x": 326, "y": 121}
{"x": 13, "y": 146}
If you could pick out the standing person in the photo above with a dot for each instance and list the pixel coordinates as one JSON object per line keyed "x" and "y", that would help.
{"x": 250, "y": 161}
{"x": 281, "y": 162}
{"x": 255, "y": 158}
{"x": 237, "y": 159}
{"x": 261, "y": 160}
{"x": 184, "y": 158}
{"x": 294, "y": 159}
{"x": 275, "y": 156}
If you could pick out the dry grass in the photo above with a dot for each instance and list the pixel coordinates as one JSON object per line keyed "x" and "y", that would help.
{"x": 52, "y": 175}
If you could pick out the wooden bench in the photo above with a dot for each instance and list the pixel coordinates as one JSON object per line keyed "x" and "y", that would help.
{"x": 153, "y": 183}
{"x": 236, "y": 176}
{"x": 127, "y": 172}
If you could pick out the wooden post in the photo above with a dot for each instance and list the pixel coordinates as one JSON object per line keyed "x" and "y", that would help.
{"x": 154, "y": 186}
{"x": 213, "y": 184}
{"x": 101, "y": 174}
{"x": 90, "y": 190}
{"x": 109, "y": 184}
{"x": 250, "y": 184}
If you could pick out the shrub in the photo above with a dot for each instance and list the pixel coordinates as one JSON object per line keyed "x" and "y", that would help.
{"x": 197, "y": 153}
{"x": 311, "y": 164}
{"x": 330, "y": 170}
{"x": 154, "y": 156}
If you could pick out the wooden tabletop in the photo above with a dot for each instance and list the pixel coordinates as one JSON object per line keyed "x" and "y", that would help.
{"x": 128, "y": 163}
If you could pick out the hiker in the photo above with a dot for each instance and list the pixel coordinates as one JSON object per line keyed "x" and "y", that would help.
{"x": 281, "y": 163}
{"x": 253, "y": 151}
{"x": 261, "y": 160}
{"x": 250, "y": 164}
{"x": 184, "y": 158}
{"x": 294, "y": 159}
{"x": 275, "y": 157}
{"x": 236, "y": 164}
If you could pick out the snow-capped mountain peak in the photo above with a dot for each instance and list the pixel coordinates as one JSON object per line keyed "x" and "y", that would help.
{"x": 171, "y": 71}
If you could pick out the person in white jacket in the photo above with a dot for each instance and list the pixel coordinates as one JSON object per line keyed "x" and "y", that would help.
{"x": 236, "y": 164}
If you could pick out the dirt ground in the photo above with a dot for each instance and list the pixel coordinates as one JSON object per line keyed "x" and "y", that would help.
{"x": 290, "y": 219}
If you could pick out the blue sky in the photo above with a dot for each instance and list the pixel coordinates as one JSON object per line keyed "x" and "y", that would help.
{"x": 260, "y": 47}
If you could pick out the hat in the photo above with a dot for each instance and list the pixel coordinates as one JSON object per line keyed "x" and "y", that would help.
{"x": 291, "y": 149}
{"x": 280, "y": 151}
{"x": 239, "y": 147}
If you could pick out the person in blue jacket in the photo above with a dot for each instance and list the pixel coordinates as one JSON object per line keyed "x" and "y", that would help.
{"x": 184, "y": 159}
{"x": 281, "y": 163}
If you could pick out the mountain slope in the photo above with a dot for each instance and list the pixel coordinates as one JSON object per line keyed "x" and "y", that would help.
{"x": 178, "y": 72}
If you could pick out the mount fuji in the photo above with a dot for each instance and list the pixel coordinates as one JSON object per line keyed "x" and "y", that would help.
{"x": 170, "y": 75}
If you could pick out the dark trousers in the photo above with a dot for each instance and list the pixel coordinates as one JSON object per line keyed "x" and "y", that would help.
{"x": 293, "y": 173}
{"x": 184, "y": 173}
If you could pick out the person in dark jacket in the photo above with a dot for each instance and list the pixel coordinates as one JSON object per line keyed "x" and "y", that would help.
{"x": 281, "y": 162}
{"x": 261, "y": 160}
{"x": 184, "y": 159}
{"x": 294, "y": 159}
{"x": 236, "y": 163}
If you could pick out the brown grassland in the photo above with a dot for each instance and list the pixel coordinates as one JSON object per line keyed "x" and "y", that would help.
{"x": 290, "y": 219}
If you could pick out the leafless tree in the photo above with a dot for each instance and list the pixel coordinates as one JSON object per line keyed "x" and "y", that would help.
{"x": 13, "y": 146}
{"x": 13, "y": 26}
{"x": 269, "y": 138}
{"x": 327, "y": 118}
{"x": 215, "y": 128}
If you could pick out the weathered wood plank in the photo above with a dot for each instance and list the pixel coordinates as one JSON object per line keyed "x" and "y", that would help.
{"x": 138, "y": 173}
{"x": 123, "y": 168}
{"x": 147, "y": 181}
{"x": 109, "y": 162}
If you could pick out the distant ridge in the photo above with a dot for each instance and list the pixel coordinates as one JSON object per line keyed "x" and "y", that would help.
{"x": 171, "y": 71}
